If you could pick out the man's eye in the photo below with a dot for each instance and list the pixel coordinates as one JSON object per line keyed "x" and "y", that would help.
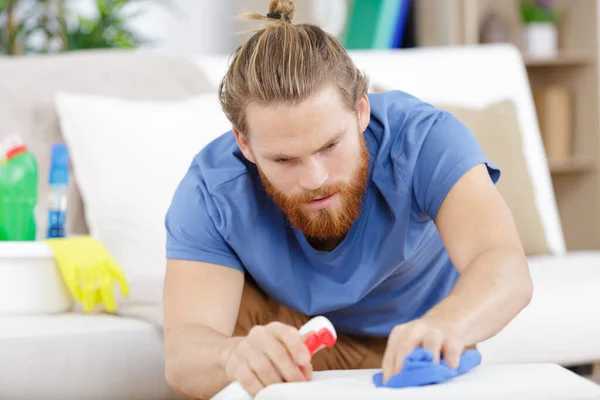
{"x": 282, "y": 160}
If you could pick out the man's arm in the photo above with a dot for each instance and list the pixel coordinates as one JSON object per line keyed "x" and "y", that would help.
{"x": 201, "y": 304}
{"x": 481, "y": 239}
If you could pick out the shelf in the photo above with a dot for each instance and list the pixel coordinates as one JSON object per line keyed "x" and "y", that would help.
{"x": 564, "y": 58}
{"x": 571, "y": 166}
{"x": 576, "y": 176}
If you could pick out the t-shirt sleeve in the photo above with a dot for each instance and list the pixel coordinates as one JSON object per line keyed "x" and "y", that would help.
{"x": 448, "y": 151}
{"x": 191, "y": 231}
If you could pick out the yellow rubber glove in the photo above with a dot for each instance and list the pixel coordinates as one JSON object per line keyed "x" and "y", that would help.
{"x": 89, "y": 271}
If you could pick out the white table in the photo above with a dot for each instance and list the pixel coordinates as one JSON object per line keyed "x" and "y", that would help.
{"x": 520, "y": 381}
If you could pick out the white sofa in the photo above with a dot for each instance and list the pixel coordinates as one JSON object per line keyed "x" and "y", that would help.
{"x": 75, "y": 356}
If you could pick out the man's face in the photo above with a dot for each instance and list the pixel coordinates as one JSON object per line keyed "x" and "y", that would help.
{"x": 312, "y": 160}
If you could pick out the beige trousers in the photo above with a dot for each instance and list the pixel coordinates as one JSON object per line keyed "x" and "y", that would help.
{"x": 350, "y": 352}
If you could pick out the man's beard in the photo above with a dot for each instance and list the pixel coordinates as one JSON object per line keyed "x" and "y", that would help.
{"x": 331, "y": 222}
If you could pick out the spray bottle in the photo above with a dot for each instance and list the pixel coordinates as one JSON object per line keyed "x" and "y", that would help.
{"x": 58, "y": 185}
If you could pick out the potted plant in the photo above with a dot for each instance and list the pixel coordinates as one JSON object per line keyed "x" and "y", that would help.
{"x": 540, "y": 31}
{"x": 49, "y": 26}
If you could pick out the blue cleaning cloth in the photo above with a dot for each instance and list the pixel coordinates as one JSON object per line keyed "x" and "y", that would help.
{"x": 420, "y": 370}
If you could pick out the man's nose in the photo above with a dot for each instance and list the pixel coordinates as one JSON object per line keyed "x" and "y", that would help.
{"x": 313, "y": 175}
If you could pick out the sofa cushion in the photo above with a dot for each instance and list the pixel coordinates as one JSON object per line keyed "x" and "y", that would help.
{"x": 150, "y": 146}
{"x": 74, "y": 356}
{"x": 562, "y": 322}
{"x": 473, "y": 77}
{"x": 497, "y": 130}
{"x": 30, "y": 83}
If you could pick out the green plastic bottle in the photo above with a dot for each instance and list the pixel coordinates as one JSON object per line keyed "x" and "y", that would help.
{"x": 18, "y": 191}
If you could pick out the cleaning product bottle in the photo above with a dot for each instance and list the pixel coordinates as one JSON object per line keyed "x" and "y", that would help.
{"x": 59, "y": 183}
{"x": 18, "y": 190}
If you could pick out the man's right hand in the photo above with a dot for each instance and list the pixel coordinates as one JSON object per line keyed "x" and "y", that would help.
{"x": 269, "y": 354}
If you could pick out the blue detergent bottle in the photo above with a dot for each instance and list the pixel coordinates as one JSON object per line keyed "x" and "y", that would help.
{"x": 58, "y": 186}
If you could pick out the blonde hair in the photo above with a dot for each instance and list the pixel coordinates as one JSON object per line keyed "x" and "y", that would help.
{"x": 287, "y": 63}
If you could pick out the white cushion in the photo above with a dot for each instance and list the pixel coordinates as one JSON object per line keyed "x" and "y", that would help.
{"x": 128, "y": 157}
{"x": 534, "y": 381}
{"x": 73, "y": 356}
{"x": 469, "y": 76}
{"x": 474, "y": 77}
{"x": 562, "y": 322}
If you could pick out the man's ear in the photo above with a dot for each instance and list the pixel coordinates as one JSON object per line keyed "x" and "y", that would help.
{"x": 363, "y": 111}
{"x": 242, "y": 142}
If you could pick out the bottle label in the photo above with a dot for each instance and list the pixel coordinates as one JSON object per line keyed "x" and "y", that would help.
{"x": 56, "y": 224}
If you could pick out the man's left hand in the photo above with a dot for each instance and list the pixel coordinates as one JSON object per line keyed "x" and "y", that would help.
{"x": 437, "y": 339}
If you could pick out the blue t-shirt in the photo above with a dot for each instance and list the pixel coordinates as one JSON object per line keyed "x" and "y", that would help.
{"x": 392, "y": 266}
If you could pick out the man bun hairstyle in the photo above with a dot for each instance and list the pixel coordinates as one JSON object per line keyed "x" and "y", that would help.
{"x": 287, "y": 63}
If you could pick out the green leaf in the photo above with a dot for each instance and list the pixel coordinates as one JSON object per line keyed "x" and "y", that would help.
{"x": 108, "y": 28}
{"x": 103, "y": 7}
{"x": 531, "y": 12}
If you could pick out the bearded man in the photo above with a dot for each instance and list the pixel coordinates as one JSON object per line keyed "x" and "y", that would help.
{"x": 377, "y": 211}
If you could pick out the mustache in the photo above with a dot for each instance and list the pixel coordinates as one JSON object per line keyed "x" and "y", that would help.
{"x": 317, "y": 194}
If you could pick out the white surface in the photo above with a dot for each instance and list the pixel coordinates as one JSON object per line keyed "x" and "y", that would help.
{"x": 562, "y": 322}
{"x": 531, "y": 381}
{"x": 81, "y": 357}
{"x": 463, "y": 76}
{"x": 128, "y": 158}
{"x": 30, "y": 281}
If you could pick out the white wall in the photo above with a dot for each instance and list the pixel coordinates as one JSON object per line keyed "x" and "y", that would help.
{"x": 210, "y": 26}
{"x": 192, "y": 27}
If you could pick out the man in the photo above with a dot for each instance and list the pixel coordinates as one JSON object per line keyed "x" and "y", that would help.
{"x": 376, "y": 210}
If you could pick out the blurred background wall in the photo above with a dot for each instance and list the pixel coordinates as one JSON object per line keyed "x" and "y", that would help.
{"x": 197, "y": 26}
{"x": 557, "y": 39}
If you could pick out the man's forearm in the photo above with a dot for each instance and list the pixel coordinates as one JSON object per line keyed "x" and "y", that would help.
{"x": 487, "y": 296}
{"x": 194, "y": 359}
